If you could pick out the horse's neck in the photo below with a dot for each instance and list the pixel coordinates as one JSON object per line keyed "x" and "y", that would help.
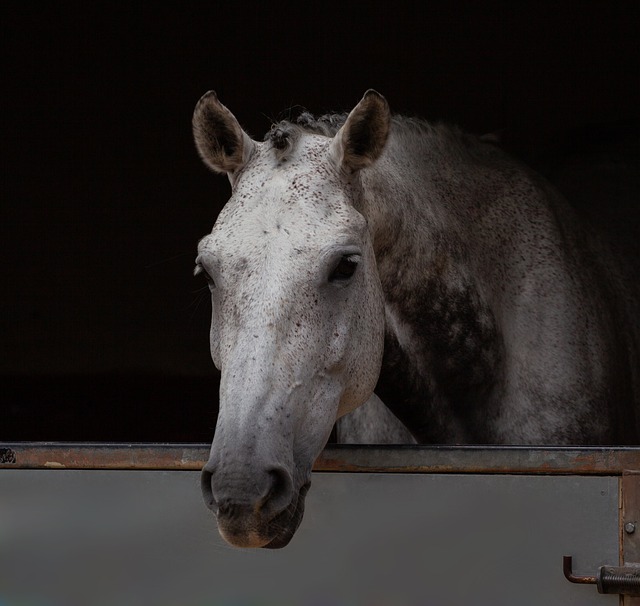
{"x": 413, "y": 203}
{"x": 442, "y": 345}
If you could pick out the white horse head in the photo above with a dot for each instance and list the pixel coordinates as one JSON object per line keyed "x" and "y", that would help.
{"x": 298, "y": 315}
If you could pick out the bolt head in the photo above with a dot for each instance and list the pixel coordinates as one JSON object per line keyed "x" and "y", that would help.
{"x": 629, "y": 527}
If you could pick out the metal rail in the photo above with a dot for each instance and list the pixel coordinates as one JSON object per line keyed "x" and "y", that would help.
{"x": 335, "y": 458}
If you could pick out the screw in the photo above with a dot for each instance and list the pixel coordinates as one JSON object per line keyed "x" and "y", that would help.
{"x": 629, "y": 527}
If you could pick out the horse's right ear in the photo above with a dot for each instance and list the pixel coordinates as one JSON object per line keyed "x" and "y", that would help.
{"x": 222, "y": 144}
{"x": 362, "y": 138}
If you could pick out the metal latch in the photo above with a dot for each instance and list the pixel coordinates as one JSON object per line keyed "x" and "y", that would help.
{"x": 623, "y": 580}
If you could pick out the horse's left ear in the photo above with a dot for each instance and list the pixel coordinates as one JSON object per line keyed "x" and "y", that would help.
{"x": 362, "y": 138}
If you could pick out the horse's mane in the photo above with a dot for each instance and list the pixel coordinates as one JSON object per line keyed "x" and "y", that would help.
{"x": 410, "y": 131}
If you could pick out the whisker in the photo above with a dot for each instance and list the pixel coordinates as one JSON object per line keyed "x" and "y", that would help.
{"x": 199, "y": 290}
{"x": 195, "y": 303}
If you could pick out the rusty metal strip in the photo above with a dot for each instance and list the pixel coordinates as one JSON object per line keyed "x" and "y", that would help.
{"x": 630, "y": 526}
{"x": 630, "y": 518}
{"x": 336, "y": 458}
{"x": 61, "y": 455}
{"x": 482, "y": 459}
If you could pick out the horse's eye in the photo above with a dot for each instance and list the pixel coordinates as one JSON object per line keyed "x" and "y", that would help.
{"x": 345, "y": 269}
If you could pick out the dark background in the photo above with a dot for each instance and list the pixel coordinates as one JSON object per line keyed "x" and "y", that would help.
{"x": 103, "y": 329}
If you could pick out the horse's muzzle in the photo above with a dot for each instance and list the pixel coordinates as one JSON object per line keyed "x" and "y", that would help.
{"x": 266, "y": 517}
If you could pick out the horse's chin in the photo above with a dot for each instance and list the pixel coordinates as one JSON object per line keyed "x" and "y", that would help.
{"x": 252, "y": 531}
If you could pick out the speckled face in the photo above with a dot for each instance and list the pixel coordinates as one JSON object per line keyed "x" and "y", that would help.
{"x": 297, "y": 325}
{"x": 297, "y": 331}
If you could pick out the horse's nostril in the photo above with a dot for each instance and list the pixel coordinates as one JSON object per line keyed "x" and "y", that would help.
{"x": 278, "y": 494}
{"x": 207, "y": 491}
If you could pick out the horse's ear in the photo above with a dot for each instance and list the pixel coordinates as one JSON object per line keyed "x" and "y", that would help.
{"x": 222, "y": 144}
{"x": 361, "y": 139}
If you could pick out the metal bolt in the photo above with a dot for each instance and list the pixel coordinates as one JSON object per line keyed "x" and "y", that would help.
{"x": 629, "y": 527}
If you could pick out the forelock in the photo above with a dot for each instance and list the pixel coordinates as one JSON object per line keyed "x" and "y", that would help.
{"x": 284, "y": 135}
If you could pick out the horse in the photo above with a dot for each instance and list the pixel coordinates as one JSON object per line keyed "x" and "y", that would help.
{"x": 367, "y": 254}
